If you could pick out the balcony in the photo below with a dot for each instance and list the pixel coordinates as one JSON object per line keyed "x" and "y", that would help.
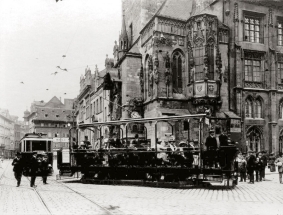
{"x": 204, "y": 92}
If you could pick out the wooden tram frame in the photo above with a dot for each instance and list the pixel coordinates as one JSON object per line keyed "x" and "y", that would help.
{"x": 200, "y": 170}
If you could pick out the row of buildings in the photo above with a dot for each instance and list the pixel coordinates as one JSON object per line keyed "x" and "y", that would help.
{"x": 222, "y": 57}
{"x": 11, "y": 132}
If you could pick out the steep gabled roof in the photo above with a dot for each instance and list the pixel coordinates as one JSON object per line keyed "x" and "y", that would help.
{"x": 53, "y": 114}
{"x": 54, "y": 103}
{"x": 180, "y": 9}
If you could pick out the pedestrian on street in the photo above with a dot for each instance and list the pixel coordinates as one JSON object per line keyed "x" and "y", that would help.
{"x": 242, "y": 165}
{"x": 33, "y": 169}
{"x": 251, "y": 165}
{"x": 258, "y": 169}
{"x": 279, "y": 163}
{"x": 18, "y": 168}
{"x": 44, "y": 168}
{"x": 264, "y": 160}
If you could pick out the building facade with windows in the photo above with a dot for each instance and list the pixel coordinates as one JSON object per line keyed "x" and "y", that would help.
{"x": 220, "y": 57}
{"x": 52, "y": 118}
{"x": 93, "y": 101}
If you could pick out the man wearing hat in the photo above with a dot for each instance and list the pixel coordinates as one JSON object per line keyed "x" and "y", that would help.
{"x": 251, "y": 165}
{"x": 18, "y": 168}
{"x": 44, "y": 168}
{"x": 211, "y": 142}
{"x": 33, "y": 169}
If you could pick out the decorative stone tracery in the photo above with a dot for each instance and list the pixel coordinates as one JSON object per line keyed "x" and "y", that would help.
{"x": 150, "y": 75}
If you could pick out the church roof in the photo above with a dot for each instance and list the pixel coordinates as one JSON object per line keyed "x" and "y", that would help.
{"x": 180, "y": 9}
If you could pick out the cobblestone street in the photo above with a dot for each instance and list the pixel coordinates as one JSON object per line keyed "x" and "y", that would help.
{"x": 59, "y": 197}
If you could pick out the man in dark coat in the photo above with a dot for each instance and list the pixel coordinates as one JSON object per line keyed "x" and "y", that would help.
{"x": 44, "y": 168}
{"x": 87, "y": 143}
{"x": 211, "y": 146}
{"x": 33, "y": 169}
{"x": 223, "y": 139}
{"x": 211, "y": 142}
{"x": 18, "y": 168}
{"x": 251, "y": 166}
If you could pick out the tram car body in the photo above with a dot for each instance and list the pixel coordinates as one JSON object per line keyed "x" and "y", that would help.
{"x": 184, "y": 164}
{"x": 36, "y": 143}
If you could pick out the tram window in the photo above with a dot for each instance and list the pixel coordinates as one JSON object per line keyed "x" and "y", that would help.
{"x": 39, "y": 145}
{"x": 27, "y": 146}
{"x": 49, "y": 146}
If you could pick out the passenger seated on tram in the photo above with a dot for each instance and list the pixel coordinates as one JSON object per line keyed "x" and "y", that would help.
{"x": 82, "y": 146}
{"x": 74, "y": 143}
{"x": 105, "y": 143}
{"x": 183, "y": 144}
{"x": 87, "y": 143}
{"x": 172, "y": 143}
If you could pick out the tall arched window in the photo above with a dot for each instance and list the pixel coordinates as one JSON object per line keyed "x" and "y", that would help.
{"x": 258, "y": 109}
{"x": 177, "y": 72}
{"x": 145, "y": 78}
{"x": 254, "y": 139}
{"x": 248, "y": 108}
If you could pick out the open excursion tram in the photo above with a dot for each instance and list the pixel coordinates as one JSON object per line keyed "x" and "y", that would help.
{"x": 36, "y": 142}
{"x": 155, "y": 158}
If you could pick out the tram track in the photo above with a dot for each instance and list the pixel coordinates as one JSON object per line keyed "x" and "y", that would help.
{"x": 40, "y": 193}
{"x": 103, "y": 208}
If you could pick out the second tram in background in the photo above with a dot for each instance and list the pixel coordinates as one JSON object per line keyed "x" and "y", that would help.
{"x": 36, "y": 143}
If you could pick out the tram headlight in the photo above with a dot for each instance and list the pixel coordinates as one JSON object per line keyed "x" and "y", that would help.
{"x": 235, "y": 174}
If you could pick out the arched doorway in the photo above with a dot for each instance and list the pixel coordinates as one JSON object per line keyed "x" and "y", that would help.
{"x": 254, "y": 139}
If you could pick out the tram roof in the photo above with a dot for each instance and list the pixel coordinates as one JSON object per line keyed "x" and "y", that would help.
{"x": 142, "y": 120}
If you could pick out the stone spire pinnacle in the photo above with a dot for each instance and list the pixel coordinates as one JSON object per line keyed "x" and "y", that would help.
{"x": 123, "y": 39}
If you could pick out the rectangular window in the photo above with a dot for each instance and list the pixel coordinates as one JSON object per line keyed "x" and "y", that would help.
{"x": 279, "y": 33}
{"x": 253, "y": 71}
{"x": 199, "y": 64}
{"x": 87, "y": 112}
{"x": 253, "y": 29}
{"x": 210, "y": 50}
{"x": 105, "y": 114}
{"x": 100, "y": 108}
{"x": 280, "y": 68}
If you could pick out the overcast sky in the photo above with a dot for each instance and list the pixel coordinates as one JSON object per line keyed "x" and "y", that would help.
{"x": 35, "y": 34}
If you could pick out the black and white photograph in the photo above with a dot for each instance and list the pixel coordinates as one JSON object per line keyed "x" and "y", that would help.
{"x": 141, "y": 107}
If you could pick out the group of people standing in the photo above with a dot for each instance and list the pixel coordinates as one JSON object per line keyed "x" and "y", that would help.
{"x": 254, "y": 164}
{"x": 38, "y": 165}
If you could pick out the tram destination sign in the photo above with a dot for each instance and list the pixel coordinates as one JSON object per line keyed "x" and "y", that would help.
{"x": 60, "y": 140}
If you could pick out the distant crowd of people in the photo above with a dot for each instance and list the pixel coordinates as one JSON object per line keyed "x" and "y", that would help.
{"x": 253, "y": 165}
